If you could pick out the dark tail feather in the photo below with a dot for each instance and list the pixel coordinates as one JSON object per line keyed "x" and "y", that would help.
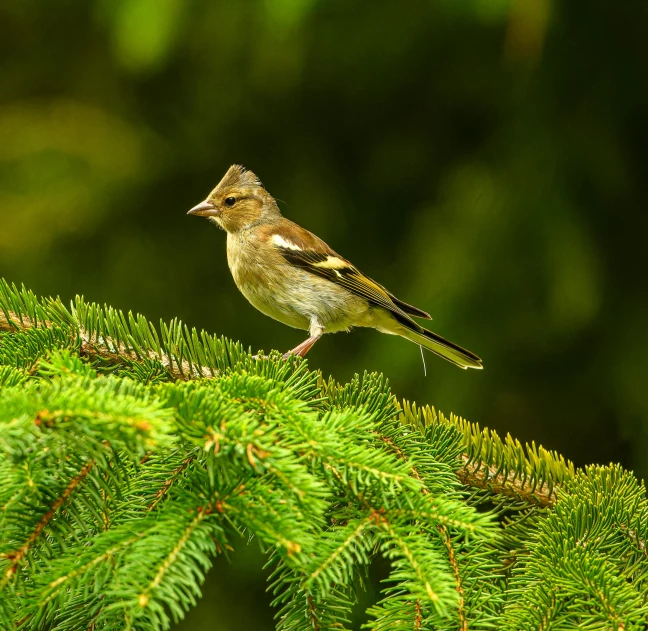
{"x": 443, "y": 348}
{"x": 409, "y": 309}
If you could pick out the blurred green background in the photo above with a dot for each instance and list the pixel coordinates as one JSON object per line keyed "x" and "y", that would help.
{"x": 484, "y": 159}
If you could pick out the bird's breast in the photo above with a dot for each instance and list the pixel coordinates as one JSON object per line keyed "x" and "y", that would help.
{"x": 264, "y": 281}
{"x": 289, "y": 294}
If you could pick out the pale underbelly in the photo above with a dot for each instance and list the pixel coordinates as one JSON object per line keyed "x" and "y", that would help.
{"x": 305, "y": 299}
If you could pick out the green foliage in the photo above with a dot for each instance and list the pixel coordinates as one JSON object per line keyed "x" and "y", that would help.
{"x": 586, "y": 563}
{"x": 130, "y": 457}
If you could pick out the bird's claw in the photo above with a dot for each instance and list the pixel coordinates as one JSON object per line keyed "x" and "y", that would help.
{"x": 285, "y": 356}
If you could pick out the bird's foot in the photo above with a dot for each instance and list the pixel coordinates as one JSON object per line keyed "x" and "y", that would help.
{"x": 298, "y": 351}
{"x": 285, "y": 356}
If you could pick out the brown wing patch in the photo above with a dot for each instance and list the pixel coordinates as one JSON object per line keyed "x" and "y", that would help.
{"x": 301, "y": 239}
{"x": 348, "y": 277}
{"x": 327, "y": 264}
{"x": 303, "y": 249}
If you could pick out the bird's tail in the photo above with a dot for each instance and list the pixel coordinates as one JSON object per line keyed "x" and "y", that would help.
{"x": 441, "y": 347}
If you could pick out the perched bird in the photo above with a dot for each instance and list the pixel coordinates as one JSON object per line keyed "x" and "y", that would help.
{"x": 292, "y": 276}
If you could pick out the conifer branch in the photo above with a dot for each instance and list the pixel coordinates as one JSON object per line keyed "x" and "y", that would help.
{"x": 452, "y": 557}
{"x": 545, "y": 622}
{"x": 117, "y": 352}
{"x": 340, "y": 549}
{"x": 418, "y": 616}
{"x": 170, "y": 481}
{"x": 480, "y": 476}
{"x": 445, "y": 536}
{"x": 313, "y": 618}
{"x": 10, "y": 321}
{"x": 52, "y": 587}
{"x": 111, "y": 351}
{"x": 409, "y": 555}
{"x": 17, "y": 556}
{"x": 327, "y": 475}
{"x": 638, "y": 543}
{"x": 144, "y": 598}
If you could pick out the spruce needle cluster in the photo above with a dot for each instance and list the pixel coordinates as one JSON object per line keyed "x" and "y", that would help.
{"x": 131, "y": 455}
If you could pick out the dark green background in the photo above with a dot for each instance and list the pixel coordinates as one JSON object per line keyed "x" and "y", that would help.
{"x": 484, "y": 159}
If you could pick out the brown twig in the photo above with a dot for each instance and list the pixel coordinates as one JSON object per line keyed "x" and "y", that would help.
{"x": 418, "y": 616}
{"x": 312, "y": 614}
{"x": 168, "y": 483}
{"x": 17, "y": 556}
{"x": 109, "y": 350}
{"x": 485, "y": 477}
{"x": 11, "y": 321}
{"x": 452, "y": 557}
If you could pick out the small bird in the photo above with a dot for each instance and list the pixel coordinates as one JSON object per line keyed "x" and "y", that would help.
{"x": 291, "y": 275}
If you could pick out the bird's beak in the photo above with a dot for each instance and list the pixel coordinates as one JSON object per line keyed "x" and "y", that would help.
{"x": 204, "y": 209}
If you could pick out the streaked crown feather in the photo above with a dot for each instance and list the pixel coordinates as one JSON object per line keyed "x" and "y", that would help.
{"x": 239, "y": 177}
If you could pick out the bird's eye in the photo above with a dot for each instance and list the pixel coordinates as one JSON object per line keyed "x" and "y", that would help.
{"x": 230, "y": 201}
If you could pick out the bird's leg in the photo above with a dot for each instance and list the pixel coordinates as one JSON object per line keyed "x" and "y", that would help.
{"x": 316, "y": 331}
{"x": 304, "y": 347}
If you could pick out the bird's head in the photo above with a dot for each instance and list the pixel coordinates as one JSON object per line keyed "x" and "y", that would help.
{"x": 238, "y": 202}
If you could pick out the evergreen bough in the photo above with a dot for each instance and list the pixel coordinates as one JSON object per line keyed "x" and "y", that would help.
{"x": 130, "y": 456}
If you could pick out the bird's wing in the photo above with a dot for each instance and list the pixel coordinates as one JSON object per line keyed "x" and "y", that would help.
{"x": 306, "y": 251}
